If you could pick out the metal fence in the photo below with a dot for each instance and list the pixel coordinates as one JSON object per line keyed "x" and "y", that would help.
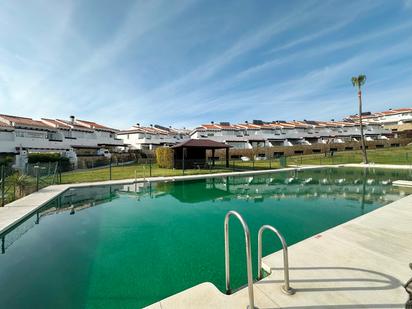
{"x": 43, "y": 174}
{"x": 374, "y": 156}
{"x": 6, "y": 188}
{"x": 37, "y": 176}
{"x": 15, "y": 184}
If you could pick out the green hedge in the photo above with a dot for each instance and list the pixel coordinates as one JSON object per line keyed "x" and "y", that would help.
{"x": 6, "y": 160}
{"x": 164, "y": 157}
{"x": 44, "y": 157}
{"x": 64, "y": 163}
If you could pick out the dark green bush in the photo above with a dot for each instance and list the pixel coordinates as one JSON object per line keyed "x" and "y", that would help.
{"x": 6, "y": 160}
{"x": 39, "y": 157}
{"x": 64, "y": 163}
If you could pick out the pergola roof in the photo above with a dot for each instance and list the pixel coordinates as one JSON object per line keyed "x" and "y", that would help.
{"x": 201, "y": 143}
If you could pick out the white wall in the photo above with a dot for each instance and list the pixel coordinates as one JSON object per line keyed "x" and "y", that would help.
{"x": 288, "y": 135}
{"x": 148, "y": 140}
{"x": 36, "y": 139}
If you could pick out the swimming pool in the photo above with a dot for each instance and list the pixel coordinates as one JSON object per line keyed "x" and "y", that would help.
{"x": 128, "y": 246}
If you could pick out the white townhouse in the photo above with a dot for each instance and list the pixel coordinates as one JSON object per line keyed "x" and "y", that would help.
{"x": 282, "y": 133}
{"x": 7, "y": 137}
{"x": 390, "y": 117}
{"x": 149, "y": 138}
{"x": 22, "y": 133}
{"x": 250, "y": 135}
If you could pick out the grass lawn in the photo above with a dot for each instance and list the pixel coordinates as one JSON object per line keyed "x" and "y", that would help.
{"x": 128, "y": 172}
{"x": 395, "y": 155}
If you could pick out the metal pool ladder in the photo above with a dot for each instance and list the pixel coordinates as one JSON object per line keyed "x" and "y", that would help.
{"x": 285, "y": 288}
{"x": 248, "y": 256}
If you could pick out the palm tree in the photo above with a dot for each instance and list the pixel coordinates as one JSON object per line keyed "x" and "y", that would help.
{"x": 20, "y": 182}
{"x": 358, "y": 81}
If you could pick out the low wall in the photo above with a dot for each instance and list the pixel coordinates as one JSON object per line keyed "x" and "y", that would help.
{"x": 278, "y": 151}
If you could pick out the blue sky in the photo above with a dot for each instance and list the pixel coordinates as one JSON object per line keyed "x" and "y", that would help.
{"x": 184, "y": 63}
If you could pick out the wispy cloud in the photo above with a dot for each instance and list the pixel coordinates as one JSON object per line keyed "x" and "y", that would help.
{"x": 186, "y": 62}
{"x": 408, "y": 4}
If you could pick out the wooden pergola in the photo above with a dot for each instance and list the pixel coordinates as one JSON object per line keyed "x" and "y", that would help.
{"x": 192, "y": 153}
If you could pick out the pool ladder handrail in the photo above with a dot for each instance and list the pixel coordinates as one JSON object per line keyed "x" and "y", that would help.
{"x": 248, "y": 255}
{"x": 286, "y": 287}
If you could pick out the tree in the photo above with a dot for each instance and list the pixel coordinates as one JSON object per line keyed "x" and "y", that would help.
{"x": 20, "y": 182}
{"x": 357, "y": 82}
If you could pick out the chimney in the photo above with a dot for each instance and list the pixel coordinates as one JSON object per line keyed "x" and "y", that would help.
{"x": 72, "y": 119}
{"x": 246, "y": 122}
{"x": 212, "y": 122}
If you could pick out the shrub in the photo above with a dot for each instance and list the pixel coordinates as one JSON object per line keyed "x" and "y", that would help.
{"x": 39, "y": 157}
{"x": 6, "y": 160}
{"x": 164, "y": 157}
{"x": 64, "y": 163}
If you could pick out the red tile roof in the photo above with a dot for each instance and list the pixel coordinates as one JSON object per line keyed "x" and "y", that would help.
{"x": 210, "y": 127}
{"x": 55, "y": 124}
{"x": 5, "y": 127}
{"x": 74, "y": 125}
{"x": 94, "y": 125}
{"x": 149, "y": 130}
{"x": 384, "y": 113}
{"x": 249, "y": 126}
{"x": 22, "y": 122}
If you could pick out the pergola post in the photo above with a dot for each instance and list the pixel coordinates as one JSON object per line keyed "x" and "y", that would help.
{"x": 183, "y": 159}
{"x": 227, "y": 156}
{"x": 213, "y": 157}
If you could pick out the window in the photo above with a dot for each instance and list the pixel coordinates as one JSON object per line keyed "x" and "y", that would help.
{"x": 31, "y": 134}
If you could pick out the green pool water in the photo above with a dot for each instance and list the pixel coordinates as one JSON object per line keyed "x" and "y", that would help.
{"x": 129, "y": 246}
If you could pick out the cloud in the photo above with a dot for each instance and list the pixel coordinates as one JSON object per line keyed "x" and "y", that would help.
{"x": 188, "y": 62}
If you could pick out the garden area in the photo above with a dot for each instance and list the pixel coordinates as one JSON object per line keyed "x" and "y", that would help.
{"x": 43, "y": 171}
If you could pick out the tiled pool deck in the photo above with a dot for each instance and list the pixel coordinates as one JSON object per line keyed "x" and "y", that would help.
{"x": 360, "y": 264}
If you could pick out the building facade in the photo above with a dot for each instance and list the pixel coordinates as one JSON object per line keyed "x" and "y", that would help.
{"x": 19, "y": 134}
{"x": 149, "y": 138}
{"x": 282, "y": 133}
{"x": 387, "y": 118}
